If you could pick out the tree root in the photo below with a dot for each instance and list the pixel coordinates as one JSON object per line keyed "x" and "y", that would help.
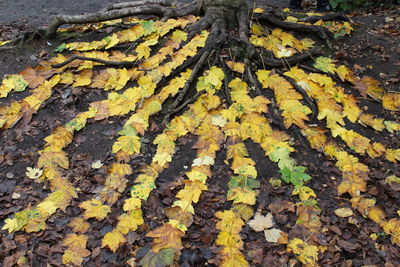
{"x": 189, "y": 82}
{"x": 310, "y": 102}
{"x": 114, "y": 6}
{"x": 311, "y": 69}
{"x": 327, "y": 17}
{"x": 226, "y": 87}
{"x": 322, "y": 32}
{"x": 188, "y": 101}
{"x": 105, "y": 62}
{"x": 282, "y": 62}
{"x": 103, "y": 15}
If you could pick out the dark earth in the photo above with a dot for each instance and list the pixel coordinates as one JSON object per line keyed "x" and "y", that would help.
{"x": 373, "y": 49}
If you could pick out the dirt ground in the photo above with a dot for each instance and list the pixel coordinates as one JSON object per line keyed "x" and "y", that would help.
{"x": 373, "y": 50}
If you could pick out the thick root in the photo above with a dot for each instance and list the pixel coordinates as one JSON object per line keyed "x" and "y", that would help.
{"x": 116, "y": 13}
{"x": 323, "y": 33}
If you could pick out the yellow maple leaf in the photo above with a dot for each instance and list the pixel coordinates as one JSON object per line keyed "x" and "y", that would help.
{"x": 192, "y": 191}
{"x": 294, "y": 112}
{"x": 371, "y": 121}
{"x": 242, "y": 195}
{"x": 376, "y": 214}
{"x": 53, "y": 158}
{"x": 392, "y": 227}
{"x": 129, "y": 222}
{"x": 128, "y": 144}
{"x": 236, "y": 66}
{"x": 391, "y": 101}
{"x": 59, "y": 138}
{"x": 307, "y": 254}
{"x": 214, "y": 76}
{"x": 47, "y": 207}
{"x": 185, "y": 205}
{"x": 304, "y": 192}
{"x": 229, "y": 240}
{"x": 75, "y": 242}
{"x": 113, "y": 240}
{"x": 83, "y": 78}
{"x": 12, "y": 83}
{"x": 78, "y": 224}
{"x": 75, "y": 256}
{"x": 95, "y": 209}
{"x": 393, "y": 155}
{"x": 162, "y": 158}
{"x": 132, "y": 203}
{"x": 229, "y": 222}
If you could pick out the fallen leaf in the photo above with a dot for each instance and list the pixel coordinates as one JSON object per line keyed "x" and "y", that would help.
{"x": 260, "y": 222}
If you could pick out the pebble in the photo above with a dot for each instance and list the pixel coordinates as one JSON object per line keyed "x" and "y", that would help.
{"x": 10, "y": 175}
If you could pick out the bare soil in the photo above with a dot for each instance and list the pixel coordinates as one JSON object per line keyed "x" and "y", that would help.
{"x": 373, "y": 50}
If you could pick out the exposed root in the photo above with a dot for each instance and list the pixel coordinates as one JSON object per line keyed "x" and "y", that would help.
{"x": 144, "y": 9}
{"x": 114, "y": 6}
{"x": 282, "y": 62}
{"x": 310, "y": 102}
{"x": 200, "y": 25}
{"x": 189, "y": 82}
{"x": 105, "y": 62}
{"x": 311, "y": 69}
{"x": 226, "y": 87}
{"x": 250, "y": 77}
{"x": 327, "y": 17}
{"x": 22, "y": 39}
{"x": 322, "y": 32}
{"x": 188, "y": 101}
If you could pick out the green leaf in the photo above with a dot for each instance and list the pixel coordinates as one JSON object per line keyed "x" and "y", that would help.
{"x": 148, "y": 26}
{"x": 325, "y": 64}
{"x": 296, "y": 176}
{"x": 128, "y": 130}
{"x": 61, "y": 48}
{"x": 163, "y": 258}
{"x": 281, "y": 155}
{"x": 243, "y": 181}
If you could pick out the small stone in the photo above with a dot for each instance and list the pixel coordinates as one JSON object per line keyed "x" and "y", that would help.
{"x": 33, "y": 58}
{"x": 9, "y": 175}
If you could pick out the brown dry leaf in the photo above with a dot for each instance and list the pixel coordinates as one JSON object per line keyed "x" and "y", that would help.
{"x": 176, "y": 213}
{"x": 32, "y": 77}
{"x": 369, "y": 86}
{"x": 166, "y": 236}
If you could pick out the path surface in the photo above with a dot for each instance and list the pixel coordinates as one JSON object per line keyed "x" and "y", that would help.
{"x": 39, "y": 12}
